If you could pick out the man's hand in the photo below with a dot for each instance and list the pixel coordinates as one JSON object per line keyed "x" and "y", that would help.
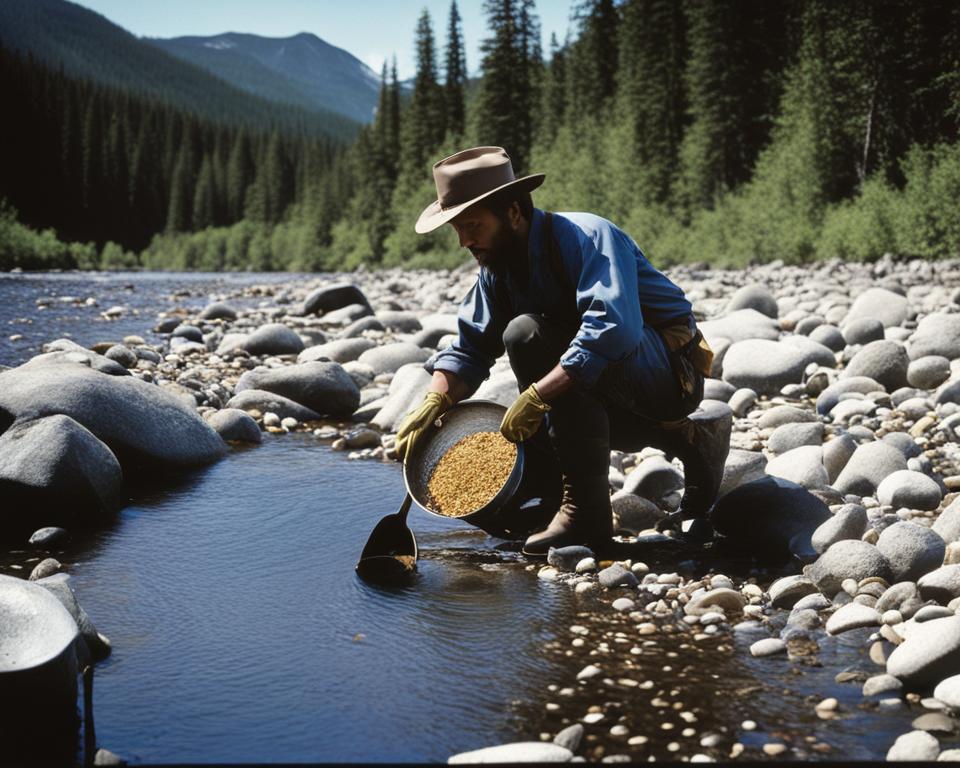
{"x": 413, "y": 426}
{"x": 522, "y": 419}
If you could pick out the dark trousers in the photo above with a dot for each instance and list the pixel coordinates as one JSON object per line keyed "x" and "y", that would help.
{"x": 621, "y": 411}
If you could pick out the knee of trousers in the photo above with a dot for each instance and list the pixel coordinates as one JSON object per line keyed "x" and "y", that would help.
{"x": 520, "y": 332}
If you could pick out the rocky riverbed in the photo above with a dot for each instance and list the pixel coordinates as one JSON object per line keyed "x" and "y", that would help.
{"x": 837, "y": 518}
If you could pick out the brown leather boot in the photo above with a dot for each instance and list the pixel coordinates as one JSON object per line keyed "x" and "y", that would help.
{"x": 585, "y": 517}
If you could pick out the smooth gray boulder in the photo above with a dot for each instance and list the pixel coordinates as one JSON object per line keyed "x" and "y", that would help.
{"x": 904, "y": 443}
{"x": 770, "y": 517}
{"x": 398, "y": 320}
{"x": 634, "y": 513}
{"x": 916, "y": 746}
{"x": 273, "y": 339}
{"x": 884, "y": 361}
{"x": 787, "y": 591}
{"x": 123, "y": 355}
{"x": 38, "y": 667}
{"x": 357, "y": 327}
{"x": 941, "y": 583}
{"x": 948, "y": 692}
{"x": 389, "y": 358}
{"x": 717, "y": 389}
{"x": 501, "y": 387}
{"x": 888, "y": 307}
{"x": 803, "y": 466}
{"x": 829, "y": 397}
{"x": 836, "y": 454}
{"x": 948, "y": 523}
{"x": 906, "y": 488}
{"x": 870, "y": 464}
{"x": 324, "y": 388}
{"x": 58, "y": 585}
{"x": 519, "y": 752}
{"x": 235, "y": 425}
{"x": 813, "y": 351}
{"x": 763, "y": 366}
{"x": 741, "y": 467}
{"x": 785, "y": 414}
{"x": 738, "y": 326}
{"x": 830, "y": 336}
{"x": 218, "y": 310}
{"x": 756, "y": 297}
{"x": 347, "y": 315}
{"x": 936, "y": 334}
{"x": 912, "y": 550}
{"x": 332, "y": 297}
{"x": 653, "y": 478}
{"x": 136, "y": 420}
{"x": 852, "y": 616}
{"x": 848, "y": 522}
{"x": 786, "y": 437}
{"x": 925, "y": 658}
{"x": 83, "y": 357}
{"x": 407, "y": 388}
{"x": 904, "y": 596}
{"x": 270, "y": 402}
{"x": 863, "y": 331}
{"x": 928, "y": 372}
{"x": 53, "y": 471}
{"x": 338, "y": 350}
{"x": 847, "y": 559}
{"x": 187, "y": 331}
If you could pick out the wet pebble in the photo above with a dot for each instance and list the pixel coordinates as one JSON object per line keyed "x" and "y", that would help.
{"x": 769, "y": 646}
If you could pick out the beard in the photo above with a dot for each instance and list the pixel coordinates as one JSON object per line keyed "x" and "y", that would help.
{"x": 507, "y": 250}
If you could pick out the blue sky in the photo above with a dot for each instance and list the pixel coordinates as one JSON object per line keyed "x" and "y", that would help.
{"x": 371, "y": 30}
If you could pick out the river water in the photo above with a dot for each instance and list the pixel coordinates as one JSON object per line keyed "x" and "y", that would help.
{"x": 241, "y": 633}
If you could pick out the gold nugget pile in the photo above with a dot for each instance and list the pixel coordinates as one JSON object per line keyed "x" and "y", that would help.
{"x": 471, "y": 473}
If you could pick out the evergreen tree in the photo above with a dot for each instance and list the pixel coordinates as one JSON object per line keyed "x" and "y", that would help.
{"x": 554, "y": 93}
{"x": 593, "y": 58}
{"x": 424, "y": 123}
{"x": 455, "y": 75}
{"x": 203, "y": 198}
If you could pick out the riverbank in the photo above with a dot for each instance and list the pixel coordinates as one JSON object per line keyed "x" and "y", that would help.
{"x": 840, "y": 382}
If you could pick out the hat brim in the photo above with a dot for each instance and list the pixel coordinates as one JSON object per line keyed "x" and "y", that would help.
{"x": 435, "y": 216}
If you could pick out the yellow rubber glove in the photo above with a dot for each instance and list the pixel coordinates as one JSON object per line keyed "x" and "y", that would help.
{"x": 522, "y": 419}
{"x": 434, "y": 404}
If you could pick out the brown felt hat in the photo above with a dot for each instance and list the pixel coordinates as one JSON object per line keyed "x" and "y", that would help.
{"x": 468, "y": 177}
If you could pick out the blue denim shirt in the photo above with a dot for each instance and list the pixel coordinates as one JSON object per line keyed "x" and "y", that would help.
{"x": 618, "y": 291}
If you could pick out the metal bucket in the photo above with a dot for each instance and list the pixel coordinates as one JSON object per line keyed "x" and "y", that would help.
{"x": 465, "y": 418}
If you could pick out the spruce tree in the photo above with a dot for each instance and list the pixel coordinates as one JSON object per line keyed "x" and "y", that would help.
{"x": 424, "y": 124}
{"x": 455, "y": 75}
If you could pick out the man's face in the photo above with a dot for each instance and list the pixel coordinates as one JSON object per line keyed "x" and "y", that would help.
{"x": 490, "y": 239}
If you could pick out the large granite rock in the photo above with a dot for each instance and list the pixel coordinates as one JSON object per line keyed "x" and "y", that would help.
{"x": 879, "y": 304}
{"x": 948, "y": 523}
{"x": 139, "y": 422}
{"x": 847, "y": 559}
{"x": 741, "y": 467}
{"x": 391, "y": 357}
{"x": 409, "y": 385}
{"x": 738, "y": 326}
{"x": 756, "y": 297}
{"x": 270, "y": 402}
{"x": 870, "y": 464}
{"x": 770, "y": 517}
{"x": 53, "y": 471}
{"x": 912, "y": 550}
{"x": 848, "y": 522}
{"x": 273, "y": 339}
{"x": 884, "y": 361}
{"x": 925, "y": 658}
{"x": 763, "y": 366}
{"x": 906, "y": 488}
{"x": 803, "y": 466}
{"x": 324, "y": 388}
{"x": 235, "y": 425}
{"x": 936, "y": 334}
{"x": 338, "y": 351}
{"x": 335, "y": 296}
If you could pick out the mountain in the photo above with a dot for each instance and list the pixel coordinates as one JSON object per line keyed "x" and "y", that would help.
{"x": 302, "y": 69}
{"x": 88, "y": 45}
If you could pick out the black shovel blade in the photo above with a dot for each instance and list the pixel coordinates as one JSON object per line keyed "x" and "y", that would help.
{"x": 391, "y": 549}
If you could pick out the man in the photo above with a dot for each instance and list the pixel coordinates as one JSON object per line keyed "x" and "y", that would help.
{"x": 604, "y": 347}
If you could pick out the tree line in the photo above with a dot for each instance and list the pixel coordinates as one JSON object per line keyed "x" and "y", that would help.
{"x": 713, "y": 130}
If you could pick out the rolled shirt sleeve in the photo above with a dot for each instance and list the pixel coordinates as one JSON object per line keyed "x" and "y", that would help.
{"x": 481, "y": 322}
{"x": 611, "y": 320}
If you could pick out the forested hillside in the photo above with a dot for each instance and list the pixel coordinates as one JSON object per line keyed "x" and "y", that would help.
{"x": 86, "y": 45}
{"x": 302, "y": 70}
{"x": 712, "y": 130}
